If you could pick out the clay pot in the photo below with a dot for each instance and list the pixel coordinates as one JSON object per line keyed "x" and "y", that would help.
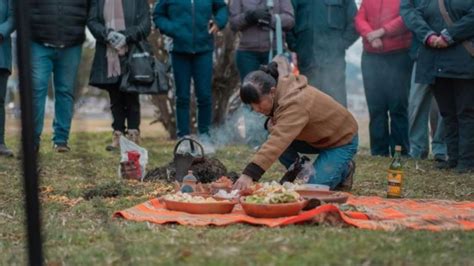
{"x": 220, "y": 207}
{"x": 273, "y": 210}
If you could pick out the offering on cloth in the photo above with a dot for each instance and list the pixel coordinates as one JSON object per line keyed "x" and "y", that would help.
{"x": 187, "y": 197}
{"x": 186, "y": 202}
{"x": 273, "y": 193}
{"x": 223, "y": 183}
{"x": 222, "y": 194}
{"x": 273, "y": 200}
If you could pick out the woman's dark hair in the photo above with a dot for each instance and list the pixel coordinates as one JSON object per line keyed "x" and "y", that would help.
{"x": 258, "y": 83}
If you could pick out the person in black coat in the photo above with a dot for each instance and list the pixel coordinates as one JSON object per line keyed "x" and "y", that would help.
{"x": 446, "y": 62}
{"x": 117, "y": 25}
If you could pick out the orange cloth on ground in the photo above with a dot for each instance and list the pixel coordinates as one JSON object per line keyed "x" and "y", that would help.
{"x": 373, "y": 213}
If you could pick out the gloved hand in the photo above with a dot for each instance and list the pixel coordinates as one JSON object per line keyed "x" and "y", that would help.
{"x": 258, "y": 16}
{"x": 116, "y": 39}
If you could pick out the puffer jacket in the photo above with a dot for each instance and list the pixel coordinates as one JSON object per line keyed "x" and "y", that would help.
{"x": 376, "y": 14}
{"x": 187, "y": 22}
{"x": 59, "y": 23}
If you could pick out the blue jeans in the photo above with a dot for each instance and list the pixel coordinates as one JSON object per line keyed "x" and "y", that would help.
{"x": 248, "y": 61}
{"x": 419, "y": 109}
{"x": 332, "y": 164}
{"x": 63, "y": 64}
{"x": 387, "y": 84}
{"x": 199, "y": 68}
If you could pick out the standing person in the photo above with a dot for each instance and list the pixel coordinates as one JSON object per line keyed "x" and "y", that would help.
{"x": 386, "y": 70}
{"x": 302, "y": 119}
{"x": 191, "y": 25}
{"x": 117, "y": 25}
{"x": 58, "y": 31}
{"x": 420, "y": 101}
{"x": 446, "y": 61}
{"x": 324, "y": 30}
{"x": 254, "y": 21}
{"x": 6, "y": 28}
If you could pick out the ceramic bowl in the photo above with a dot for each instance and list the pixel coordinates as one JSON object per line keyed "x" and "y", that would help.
{"x": 219, "y": 207}
{"x": 272, "y": 210}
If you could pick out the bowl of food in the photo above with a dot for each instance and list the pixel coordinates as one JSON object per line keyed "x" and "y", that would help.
{"x": 184, "y": 202}
{"x": 273, "y": 201}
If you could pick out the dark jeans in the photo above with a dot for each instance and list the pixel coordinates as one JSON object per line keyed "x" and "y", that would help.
{"x": 248, "y": 61}
{"x": 199, "y": 68}
{"x": 329, "y": 78}
{"x": 387, "y": 85}
{"x": 125, "y": 107}
{"x": 3, "y": 91}
{"x": 332, "y": 164}
{"x": 455, "y": 99}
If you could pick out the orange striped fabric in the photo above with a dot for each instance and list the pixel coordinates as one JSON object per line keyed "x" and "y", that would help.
{"x": 373, "y": 213}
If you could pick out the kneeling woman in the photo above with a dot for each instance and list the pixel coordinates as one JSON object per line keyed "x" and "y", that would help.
{"x": 302, "y": 119}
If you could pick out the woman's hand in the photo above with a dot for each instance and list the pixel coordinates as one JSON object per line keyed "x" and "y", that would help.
{"x": 376, "y": 34}
{"x": 213, "y": 29}
{"x": 243, "y": 182}
{"x": 377, "y": 44}
{"x": 437, "y": 42}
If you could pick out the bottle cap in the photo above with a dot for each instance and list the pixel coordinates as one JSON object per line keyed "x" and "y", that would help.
{"x": 398, "y": 148}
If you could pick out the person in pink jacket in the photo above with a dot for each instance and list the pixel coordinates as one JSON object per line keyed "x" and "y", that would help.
{"x": 386, "y": 71}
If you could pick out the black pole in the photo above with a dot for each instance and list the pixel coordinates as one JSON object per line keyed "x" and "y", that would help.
{"x": 27, "y": 124}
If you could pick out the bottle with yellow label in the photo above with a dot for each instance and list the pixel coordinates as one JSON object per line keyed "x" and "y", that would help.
{"x": 395, "y": 175}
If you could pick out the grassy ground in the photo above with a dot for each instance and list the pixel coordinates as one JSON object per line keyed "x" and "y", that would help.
{"x": 81, "y": 232}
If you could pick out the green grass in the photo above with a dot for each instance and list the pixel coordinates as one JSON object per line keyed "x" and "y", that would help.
{"x": 83, "y": 232}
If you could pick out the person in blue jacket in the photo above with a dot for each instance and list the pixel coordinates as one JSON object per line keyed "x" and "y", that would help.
{"x": 6, "y": 28}
{"x": 192, "y": 24}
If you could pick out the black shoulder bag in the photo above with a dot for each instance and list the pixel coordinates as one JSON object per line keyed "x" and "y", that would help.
{"x": 144, "y": 74}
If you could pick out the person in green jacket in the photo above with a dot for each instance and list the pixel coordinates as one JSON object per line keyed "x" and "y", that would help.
{"x": 446, "y": 61}
{"x": 324, "y": 30}
{"x": 191, "y": 24}
{"x": 6, "y": 28}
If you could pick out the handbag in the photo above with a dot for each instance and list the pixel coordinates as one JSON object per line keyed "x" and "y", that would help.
{"x": 469, "y": 45}
{"x": 144, "y": 74}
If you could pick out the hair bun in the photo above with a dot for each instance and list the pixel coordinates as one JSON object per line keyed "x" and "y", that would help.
{"x": 271, "y": 69}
